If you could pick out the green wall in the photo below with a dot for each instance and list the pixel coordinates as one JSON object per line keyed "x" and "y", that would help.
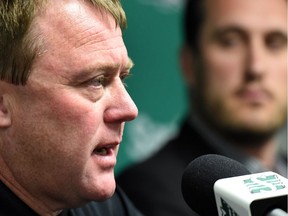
{"x": 152, "y": 39}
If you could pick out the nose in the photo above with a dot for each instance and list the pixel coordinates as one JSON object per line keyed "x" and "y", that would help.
{"x": 255, "y": 58}
{"x": 122, "y": 108}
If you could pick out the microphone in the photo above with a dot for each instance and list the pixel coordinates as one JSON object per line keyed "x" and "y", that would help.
{"x": 217, "y": 185}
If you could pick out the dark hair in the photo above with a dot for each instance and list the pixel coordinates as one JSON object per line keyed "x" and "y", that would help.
{"x": 192, "y": 22}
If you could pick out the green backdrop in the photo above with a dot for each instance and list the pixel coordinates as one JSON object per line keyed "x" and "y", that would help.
{"x": 152, "y": 39}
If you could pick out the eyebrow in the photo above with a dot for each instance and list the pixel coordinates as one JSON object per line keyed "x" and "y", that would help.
{"x": 241, "y": 31}
{"x": 130, "y": 64}
{"x": 108, "y": 68}
{"x": 228, "y": 29}
{"x": 114, "y": 67}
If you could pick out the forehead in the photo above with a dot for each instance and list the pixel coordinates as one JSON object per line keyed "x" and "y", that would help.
{"x": 76, "y": 35}
{"x": 65, "y": 21}
{"x": 254, "y": 14}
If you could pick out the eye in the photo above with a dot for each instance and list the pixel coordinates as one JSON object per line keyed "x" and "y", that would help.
{"x": 230, "y": 41}
{"x": 99, "y": 81}
{"x": 276, "y": 41}
{"x": 124, "y": 77}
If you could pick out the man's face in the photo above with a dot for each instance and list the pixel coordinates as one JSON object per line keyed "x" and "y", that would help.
{"x": 242, "y": 78}
{"x": 68, "y": 121}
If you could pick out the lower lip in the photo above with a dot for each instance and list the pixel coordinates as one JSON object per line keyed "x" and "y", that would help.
{"x": 106, "y": 161}
{"x": 254, "y": 97}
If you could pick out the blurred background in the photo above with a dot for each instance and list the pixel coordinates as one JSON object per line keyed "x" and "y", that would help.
{"x": 152, "y": 38}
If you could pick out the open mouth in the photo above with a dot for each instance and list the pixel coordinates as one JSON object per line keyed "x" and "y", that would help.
{"x": 106, "y": 150}
{"x": 102, "y": 151}
{"x": 105, "y": 155}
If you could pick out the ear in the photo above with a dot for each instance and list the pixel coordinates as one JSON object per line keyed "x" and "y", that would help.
{"x": 5, "y": 118}
{"x": 187, "y": 60}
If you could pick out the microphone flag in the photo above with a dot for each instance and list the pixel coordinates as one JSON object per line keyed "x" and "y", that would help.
{"x": 251, "y": 195}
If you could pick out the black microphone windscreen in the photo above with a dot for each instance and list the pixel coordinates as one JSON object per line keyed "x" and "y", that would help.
{"x": 199, "y": 177}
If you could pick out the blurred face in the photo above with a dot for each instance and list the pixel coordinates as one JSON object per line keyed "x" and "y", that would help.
{"x": 242, "y": 79}
{"x": 68, "y": 121}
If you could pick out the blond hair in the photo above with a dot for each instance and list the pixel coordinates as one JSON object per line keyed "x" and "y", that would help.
{"x": 19, "y": 45}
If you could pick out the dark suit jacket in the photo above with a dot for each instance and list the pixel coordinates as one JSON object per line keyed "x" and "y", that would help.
{"x": 118, "y": 205}
{"x": 158, "y": 179}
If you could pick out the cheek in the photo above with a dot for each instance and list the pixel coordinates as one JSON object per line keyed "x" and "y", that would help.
{"x": 277, "y": 75}
{"x": 62, "y": 120}
{"x": 222, "y": 75}
{"x": 78, "y": 116}
{"x": 58, "y": 131}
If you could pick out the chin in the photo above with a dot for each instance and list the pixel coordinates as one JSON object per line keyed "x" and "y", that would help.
{"x": 104, "y": 195}
{"x": 103, "y": 190}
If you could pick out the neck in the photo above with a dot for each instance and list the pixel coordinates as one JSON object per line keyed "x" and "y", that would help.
{"x": 264, "y": 153}
{"x": 262, "y": 148}
{"x": 35, "y": 204}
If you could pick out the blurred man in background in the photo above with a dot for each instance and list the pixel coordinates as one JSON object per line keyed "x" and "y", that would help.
{"x": 234, "y": 61}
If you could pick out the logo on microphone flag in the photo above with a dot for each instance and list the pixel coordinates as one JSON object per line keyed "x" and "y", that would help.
{"x": 252, "y": 194}
{"x": 264, "y": 184}
{"x": 227, "y": 210}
